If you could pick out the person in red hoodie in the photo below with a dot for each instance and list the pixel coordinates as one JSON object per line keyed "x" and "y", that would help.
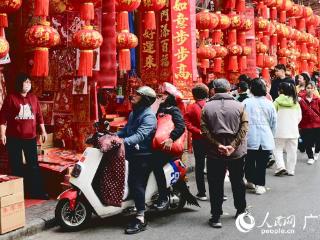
{"x": 192, "y": 119}
{"x": 310, "y": 123}
{"x": 19, "y": 117}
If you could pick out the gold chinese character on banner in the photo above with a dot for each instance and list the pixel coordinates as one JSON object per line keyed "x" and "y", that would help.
{"x": 164, "y": 62}
{"x": 182, "y": 54}
{"x": 149, "y": 34}
{"x": 150, "y": 62}
{"x": 165, "y": 45}
{"x": 148, "y": 47}
{"x": 182, "y": 73}
{"x": 180, "y": 6}
{"x": 181, "y": 21}
{"x": 164, "y": 15}
{"x": 181, "y": 37}
{"x": 164, "y": 31}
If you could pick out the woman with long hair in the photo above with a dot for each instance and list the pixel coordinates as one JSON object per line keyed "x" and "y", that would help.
{"x": 287, "y": 130}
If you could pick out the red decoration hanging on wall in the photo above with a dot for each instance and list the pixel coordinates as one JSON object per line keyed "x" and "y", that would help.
{"x": 206, "y": 21}
{"x": 149, "y": 7}
{"x": 41, "y": 8}
{"x": 8, "y": 6}
{"x": 125, "y": 41}
{"x": 123, "y": 7}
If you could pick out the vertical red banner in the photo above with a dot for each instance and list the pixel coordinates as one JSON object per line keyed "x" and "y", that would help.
{"x": 149, "y": 60}
{"x": 182, "y": 66}
{"x": 165, "y": 45}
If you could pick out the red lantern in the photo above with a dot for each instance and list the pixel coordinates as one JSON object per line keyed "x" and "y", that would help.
{"x": 296, "y": 11}
{"x": 307, "y": 12}
{"x": 4, "y": 47}
{"x": 241, "y": 6}
{"x": 262, "y": 25}
{"x": 41, "y": 8}
{"x": 123, "y": 7}
{"x": 205, "y": 21}
{"x": 234, "y": 51}
{"x": 41, "y": 37}
{"x": 261, "y": 49}
{"x": 204, "y": 53}
{"x": 246, "y": 51}
{"x": 283, "y": 53}
{"x": 221, "y": 52}
{"x": 224, "y": 23}
{"x": 268, "y": 62}
{"x": 8, "y": 6}
{"x": 125, "y": 41}
{"x": 86, "y": 8}
{"x": 246, "y": 26}
{"x": 149, "y": 7}
{"x": 86, "y": 40}
{"x": 283, "y": 6}
{"x": 236, "y": 22}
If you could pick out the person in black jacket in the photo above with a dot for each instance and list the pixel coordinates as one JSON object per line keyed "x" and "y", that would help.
{"x": 168, "y": 105}
{"x": 280, "y": 72}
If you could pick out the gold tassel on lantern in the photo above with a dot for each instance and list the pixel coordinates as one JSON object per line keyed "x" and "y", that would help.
{"x": 85, "y": 63}
{"x": 40, "y": 62}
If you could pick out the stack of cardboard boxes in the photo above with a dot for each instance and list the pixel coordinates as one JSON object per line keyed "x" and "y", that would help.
{"x": 12, "y": 210}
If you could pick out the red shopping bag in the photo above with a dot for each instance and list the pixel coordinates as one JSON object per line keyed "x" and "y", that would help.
{"x": 164, "y": 127}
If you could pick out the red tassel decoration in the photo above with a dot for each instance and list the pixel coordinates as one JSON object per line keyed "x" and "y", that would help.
{"x": 40, "y": 62}
{"x": 265, "y": 40}
{"x": 292, "y": 22}
{"x": 311, "y": 29}
{"x": 273, "y": 40}
{"x": 243, "y": 63}
{"x": 242, "y": 38}
{"x": 205, "y": 63}
{"x": 304, "y": 66}
{"x": 124, "y": 59}
{"x": 87, "y": 11}
{"x": 232, "y": 36}
{"x": 283, "y": 60}
{"x": 264, "y": 12}
{"x": 230, "y": 4}
{"x": 273, "y": 13}
{"x": 122, "y": 21}
{"x": 233, "y": 64}
{"x": 283, "y": 17}
{"x": 217, "y": 62}
{"x": 260, "y": 57}
{"x": 283, "y": 43}
{"x": 3, "y": 20}
{"x": 265, "y": 74}
{"x": 149, "y": 20}
{"x": 85, "y": 63}
{"x": 1, "y": 32}
{"x": 241, "y": 6}
{"x": 203, "y": 34}
{"x": 41, "y": 8}
{"x": 217, "y": 34}
{"x": 301, "y": 24}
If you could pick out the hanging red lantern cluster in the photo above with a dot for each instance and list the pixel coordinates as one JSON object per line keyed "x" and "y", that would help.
{"x": 261, "y": 49}
{"x": 235, "y": 50}
{"x": 125, "y": 40}
{"x": 122, "y": 8}
{"x": 204, "y": 54}
{"x": 261, "y": 25}
{"x": 41, "y": 38}
{"x": 221, "y": 53}
{"x": 206, "y": 21}
{"x": 4, "y": 47}
{"x": 8, "y": 6}
{"x": 87, "y": 39}
{"x": 224, "y": 23}
{"x": 149, "y": 7}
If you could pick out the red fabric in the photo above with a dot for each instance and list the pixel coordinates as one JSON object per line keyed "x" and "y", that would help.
{"x": 310, "y": 112}
{"x": 165, "y": 126}
{"x": 192, "y": 119}
{"x": 21, "y": 114}
{"x": 112, "y": 181}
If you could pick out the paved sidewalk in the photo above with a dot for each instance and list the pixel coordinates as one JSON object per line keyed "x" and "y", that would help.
{"x": 41, "y": 217}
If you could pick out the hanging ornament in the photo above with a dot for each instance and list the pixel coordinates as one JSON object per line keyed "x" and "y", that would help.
{"x": 41, "y": 38}
{"x": 149, "y": 7}
{"x": 86, "y": 40}
{"x": 123, "y": 7}
{"x": 268, "y": 63}
{"x": 261, "y": 49}
{"x": 4, "y": 47}
{"x": 246, "y": 51}
{"x": 206, "y": 21}
{"x": 41, "y": 8}
{"x": 125, "y": 40}
{"x": 224, "y": 23}
{"x": 204, "y": 54}
{"x": 86, "y": 9}
{"x": 234, "y": 51}
{"x": 8, "y": 6}
{"x": 221, "y": 53}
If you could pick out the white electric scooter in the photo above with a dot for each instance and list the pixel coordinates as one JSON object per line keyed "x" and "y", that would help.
{"x": 77, "y": 204}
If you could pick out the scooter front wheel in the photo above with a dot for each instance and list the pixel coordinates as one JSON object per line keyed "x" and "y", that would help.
{"x": 72, "y": 220}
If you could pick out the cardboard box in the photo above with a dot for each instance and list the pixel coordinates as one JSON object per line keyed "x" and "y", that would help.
{"x": 14, "y": 185}
{"x": 12, "y": 212}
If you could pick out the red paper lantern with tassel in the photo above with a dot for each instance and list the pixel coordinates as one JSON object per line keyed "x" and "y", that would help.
{"x": 283, "y": 6}
{"x": 41, "y": 38}
{"x": 234, "y": 51}
{"x": 246, "y": 51}
{"x": 262, "y": 25}
{"x": 86, "y": 40}
{"x": 149, "y": 7}
{"x": 224, "y": 23}
{"x": 268, "y": 62}
{"x": 206, "y": 21}
{"x": 241, "y": 6}
{"x": 4, "y": 47}
{"x": 41, "y": 8}
{"x": 261, "y": 49}
{"x": 236, "y": 21}
{"x": 246, "y": 26}
{"x": 8, "y": 6}
{"x": 221, "y": 53}
{"x": 125, "y": 40}
{"x": 204, "y": 54}
{"x": 123, "y": 7}
{"x": 86, "y": 8}
{"x": 283, "y": 53}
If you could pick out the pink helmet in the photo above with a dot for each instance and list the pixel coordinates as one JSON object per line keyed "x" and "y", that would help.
{"x": 171, "y": 89}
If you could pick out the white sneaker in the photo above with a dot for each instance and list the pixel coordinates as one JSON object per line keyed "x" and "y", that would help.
{"x": 316, "y": 156}
{"x": 260, "y": 190}
{"x": 310, "y": 161}
{"x": 250, "y": 185}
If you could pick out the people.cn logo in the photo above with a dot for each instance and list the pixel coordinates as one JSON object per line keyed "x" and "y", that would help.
{"x": 245, "y": 222}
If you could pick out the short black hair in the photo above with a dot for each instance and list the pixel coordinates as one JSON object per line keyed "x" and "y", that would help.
{"x": 244, "y": 78}
{"x": 211, "y": 85}
{"x": 243, "y": 86}
{"x": 288, "y": 89}
{"x": 281, "y": 67}
{"x": 200, "y": 91}
{"x": 306, "y": 77}
{"x": 258, "y": 87}
{"x": 20, "y": 79}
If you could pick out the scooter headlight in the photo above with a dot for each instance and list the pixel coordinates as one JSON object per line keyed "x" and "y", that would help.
{"x": 76, "y": 171}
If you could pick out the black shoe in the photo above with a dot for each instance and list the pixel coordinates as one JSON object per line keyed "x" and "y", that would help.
{"x": 136, "y": 226}
{"x": 43, "y": 196}
{"x": 225, "y": 198}
{"x": 215, "y": 222}
{"x": 240, "y": 212}
{"x": 162, "y": 204}
{"x": 270, "y": 163}
{"x": 202, "y": 197}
